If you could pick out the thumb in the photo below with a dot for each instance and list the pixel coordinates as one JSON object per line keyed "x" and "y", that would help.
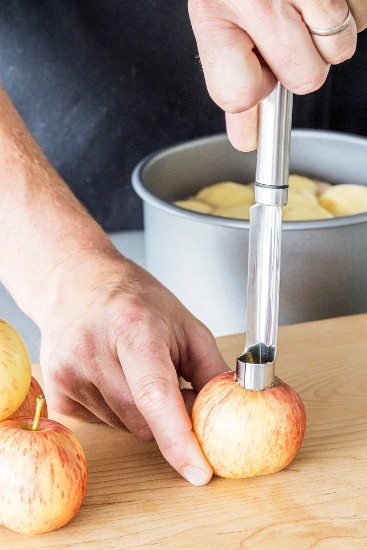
{"x": 203, "y": 361}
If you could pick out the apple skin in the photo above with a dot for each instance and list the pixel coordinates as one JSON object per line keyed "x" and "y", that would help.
{"x": 247, "y": 433}
{"x": 15, "y": 370}
{"x": 28, "y": 406}
{"x": 43, "y": 475}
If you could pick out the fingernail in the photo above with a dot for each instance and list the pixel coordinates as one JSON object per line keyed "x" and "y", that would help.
{"x": 196, "y": 476}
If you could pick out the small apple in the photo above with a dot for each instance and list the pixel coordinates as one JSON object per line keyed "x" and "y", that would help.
{"x": 28, "y": 407}
{"x": 43, "y": 474}
{"x": 246, "y": 433}
{"x": 15, "y": 370}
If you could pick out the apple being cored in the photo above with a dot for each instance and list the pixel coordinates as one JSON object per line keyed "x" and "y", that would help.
{"x": 28, "y": 407}
{"x": 43, "y": 474}
{"x": 15, "y": 370}
{"x": 246, "y": 433}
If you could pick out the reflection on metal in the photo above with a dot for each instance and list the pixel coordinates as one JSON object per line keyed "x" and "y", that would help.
{"x": 256, "y": 366}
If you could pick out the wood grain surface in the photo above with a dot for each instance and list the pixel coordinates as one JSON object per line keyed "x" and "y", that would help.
{"x": 136, "y": 500}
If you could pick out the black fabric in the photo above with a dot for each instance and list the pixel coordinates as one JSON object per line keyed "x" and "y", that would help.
{"x": 102, "y": 84}
{"x": 341, "y": 103}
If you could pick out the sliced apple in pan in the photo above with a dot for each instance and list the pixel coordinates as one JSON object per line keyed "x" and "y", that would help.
{"x": 345, "y": 199}
{"x": 241, "y": 212}
{"x": 195, "y": 206}
{"x": 226, "y": 193}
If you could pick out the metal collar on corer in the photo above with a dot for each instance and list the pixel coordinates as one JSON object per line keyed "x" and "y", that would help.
{"x": 256, "y": 365}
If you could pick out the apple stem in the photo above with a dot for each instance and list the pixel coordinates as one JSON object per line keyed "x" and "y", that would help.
{"x": 39, "y": 405}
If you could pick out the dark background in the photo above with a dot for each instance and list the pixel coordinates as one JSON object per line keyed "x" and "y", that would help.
{"x": 102, "y": 84}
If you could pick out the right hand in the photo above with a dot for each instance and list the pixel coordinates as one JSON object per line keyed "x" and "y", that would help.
{"x": 245, "y": 47}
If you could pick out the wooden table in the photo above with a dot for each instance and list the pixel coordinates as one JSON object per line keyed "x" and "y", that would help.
{"x": 136, "y": 500}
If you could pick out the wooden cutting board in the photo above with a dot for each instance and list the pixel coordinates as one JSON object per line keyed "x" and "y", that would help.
{"x": 136, "y": 500}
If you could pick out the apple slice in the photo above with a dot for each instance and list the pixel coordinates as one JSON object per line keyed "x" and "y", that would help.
{"x": 226, "y": 193}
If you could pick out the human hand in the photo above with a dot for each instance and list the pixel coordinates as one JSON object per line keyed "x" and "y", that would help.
{"x": 114, "y": 342}
{"x": 246, "y": 46}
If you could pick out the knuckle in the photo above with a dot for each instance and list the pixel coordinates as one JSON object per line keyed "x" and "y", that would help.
{"x": 237, "y": 100}
{"x": 79, "y": 365}
{"x": 83, "y": 349}
{"x": 308, "y": 85}
{"x": 202, "y": 11}
{"x": 64, "y": 376}
{"x": 343, "y": 54}
{"x": 151, "y": 396}
{"x": 132, "y": 314}
{"x": 139, "y": 328}
{"x": 174, "y": 444}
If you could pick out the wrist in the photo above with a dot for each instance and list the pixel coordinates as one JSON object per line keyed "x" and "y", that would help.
{"x": 79, "y": 274}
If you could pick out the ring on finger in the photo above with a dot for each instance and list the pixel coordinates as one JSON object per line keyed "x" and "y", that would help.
{"x": 333, "y": 30}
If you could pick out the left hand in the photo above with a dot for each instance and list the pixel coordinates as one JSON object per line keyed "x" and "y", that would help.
{"x": 114, "y": 342}
{"x": 245, "y": 46}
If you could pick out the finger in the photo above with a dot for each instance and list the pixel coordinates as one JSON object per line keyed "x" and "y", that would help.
{"x": 114, "y": 390}
{"x": 284, "y": 42}
{"x": 77, "y": 411}
{"x": 153, "y": 382}
{"x": 242, "y": 129}
{"x": 72, "y": 409}
{"x": 69, "y": 389}
{"x": 335, "y": 48}
{"x": 203, "y": 360}
{"x": 234, "y": 76}
{"x": 92, "y": 408}
{"x": 359, "y": 12}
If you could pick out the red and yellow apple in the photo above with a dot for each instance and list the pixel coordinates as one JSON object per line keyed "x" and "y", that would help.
{"x": 15, "y": 370}
{"x": 43, "y": 474}
{"x": 246, "y": 433}
{"x": 28, "y": 407}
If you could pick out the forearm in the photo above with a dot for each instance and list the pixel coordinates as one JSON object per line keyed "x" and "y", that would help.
{"x": 42, "y": 223}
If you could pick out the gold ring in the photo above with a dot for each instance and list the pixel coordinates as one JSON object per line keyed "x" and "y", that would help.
{"x": 333, "y": 30}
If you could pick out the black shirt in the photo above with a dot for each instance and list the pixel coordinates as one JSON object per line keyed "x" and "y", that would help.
{"x": 102, "y": 84}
